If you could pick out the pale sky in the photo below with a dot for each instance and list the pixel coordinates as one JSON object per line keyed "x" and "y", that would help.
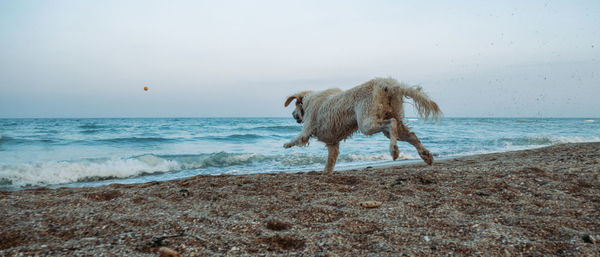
{"x": 242, "y": 58}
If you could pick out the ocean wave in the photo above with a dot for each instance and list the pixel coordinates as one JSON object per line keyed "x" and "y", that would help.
{"x": 544, "y": 140}
{"x": 90, "y": 126}
{"x": 89, "y": 131}
{"x": 12, "y": 140}
{"x": 219, "y": 160}
{"x": 63, "y": 172}
{"x": 86, "y": 170}
{"x": 233, "y": 138}
{"x": 135, "y": 140}
{"x": 529, "y": 121}
{"x": 279, "y": 128}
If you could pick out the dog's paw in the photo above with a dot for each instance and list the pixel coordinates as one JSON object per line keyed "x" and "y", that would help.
{"x": 288, "y": 145}
{"x": 426, "y": 156}
{"x": 394, "y": 151}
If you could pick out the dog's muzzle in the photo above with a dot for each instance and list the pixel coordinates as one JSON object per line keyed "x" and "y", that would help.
{"x": 296, "y": 116}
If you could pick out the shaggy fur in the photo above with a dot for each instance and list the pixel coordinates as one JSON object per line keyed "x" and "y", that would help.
{"x": 376, "y": 106}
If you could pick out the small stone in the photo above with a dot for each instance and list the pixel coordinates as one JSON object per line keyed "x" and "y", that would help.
{"x": 427, "y": 239}
{"x": 184, "y": 192}
{"x": 591, "y": 239}
{"x": 369, "y": 204}
{"x": 234, "y": 249}
{"x": 167, "y": 252}
{"x": 278, "y": 225}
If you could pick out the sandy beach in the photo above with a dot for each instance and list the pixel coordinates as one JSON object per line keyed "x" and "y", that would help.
{"x": 535, "y": 202}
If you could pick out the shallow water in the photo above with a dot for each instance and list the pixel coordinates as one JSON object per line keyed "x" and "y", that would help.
{"x": 91, "y": 152}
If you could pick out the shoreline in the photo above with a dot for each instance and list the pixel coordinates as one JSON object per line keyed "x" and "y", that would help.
{"x": 342, "y": 167}
{"x": 542, "y": 201}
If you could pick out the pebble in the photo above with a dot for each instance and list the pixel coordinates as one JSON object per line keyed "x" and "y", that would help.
{"x": 592, "y": 239}
{"x": 167, "y": 252}
{"x": 184, "y": 192}
{"x": 369, "y": 204}
{"x": 426, "y": 238}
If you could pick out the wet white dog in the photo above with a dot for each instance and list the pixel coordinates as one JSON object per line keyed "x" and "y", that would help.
{"x": 376, "y": 106}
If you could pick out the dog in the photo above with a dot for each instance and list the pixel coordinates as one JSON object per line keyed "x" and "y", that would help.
{"x": 376, "y": 106}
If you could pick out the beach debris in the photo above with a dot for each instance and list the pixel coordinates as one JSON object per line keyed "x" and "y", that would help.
{"x": 184, "y": 192}
{"x": 427, "y": 239}
{"x": 167, "y": 252}
{"x": 146, "y": 88}
{"x": 369, "y": 204}
{"x": 277, "y": 225}
{"x": 399, "y": 181}
{"x": 158, "y": 240}
{"x": 104, "y": 195}
{"x": 482, "y": 194}
{"x": 426, "y": 180}
{"x": 591, "y": 239}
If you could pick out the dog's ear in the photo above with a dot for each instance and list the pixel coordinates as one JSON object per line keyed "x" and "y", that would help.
{"x": 290, "y": 99}
{"x": 298, "y": 97}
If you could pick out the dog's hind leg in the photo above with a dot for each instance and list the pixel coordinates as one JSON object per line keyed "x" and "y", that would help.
{"x": 389, "y": 129}
{"x": 334, "y": 151}
{"x": 405, "y": 134}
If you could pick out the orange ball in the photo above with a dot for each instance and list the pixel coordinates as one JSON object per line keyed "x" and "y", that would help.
{"x": 145, "y": 88}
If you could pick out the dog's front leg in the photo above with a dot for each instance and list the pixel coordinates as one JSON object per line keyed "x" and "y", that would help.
{"x": 300, "y": 140}
{"x": 410, "y": 137}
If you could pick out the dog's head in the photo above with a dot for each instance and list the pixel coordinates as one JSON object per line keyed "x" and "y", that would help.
{"x": 298, "y": 113}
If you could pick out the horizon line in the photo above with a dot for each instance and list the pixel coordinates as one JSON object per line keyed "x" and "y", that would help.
{"x": 266, "y": 117}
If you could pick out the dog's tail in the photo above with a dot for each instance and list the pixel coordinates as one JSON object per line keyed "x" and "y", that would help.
{"x": 424, "y": 105}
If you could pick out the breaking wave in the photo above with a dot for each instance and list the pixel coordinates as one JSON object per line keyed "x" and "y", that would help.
{"x": 543, "y": 140}
{"x": 65, "y": 172}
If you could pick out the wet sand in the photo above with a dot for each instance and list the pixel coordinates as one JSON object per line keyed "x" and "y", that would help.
{"x": 535, "y": 202}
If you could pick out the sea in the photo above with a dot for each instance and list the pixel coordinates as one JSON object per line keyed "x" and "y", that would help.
{"x": 94, "y": 152}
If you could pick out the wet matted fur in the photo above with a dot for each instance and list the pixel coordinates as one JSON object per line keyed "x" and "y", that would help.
{"x": 376, "y": 106}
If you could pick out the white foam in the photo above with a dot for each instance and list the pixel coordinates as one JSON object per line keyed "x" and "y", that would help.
{"x": 514, "y": 144}
{"x": 589, "y": 121}
{"x": 561, "y": 140}
{"x": 62, "y": 172}
{"x": 232, "y": 172}
{"x": 374, "y": 157}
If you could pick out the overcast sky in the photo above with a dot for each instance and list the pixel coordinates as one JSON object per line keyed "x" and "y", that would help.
{"x": 242, "y": 58}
